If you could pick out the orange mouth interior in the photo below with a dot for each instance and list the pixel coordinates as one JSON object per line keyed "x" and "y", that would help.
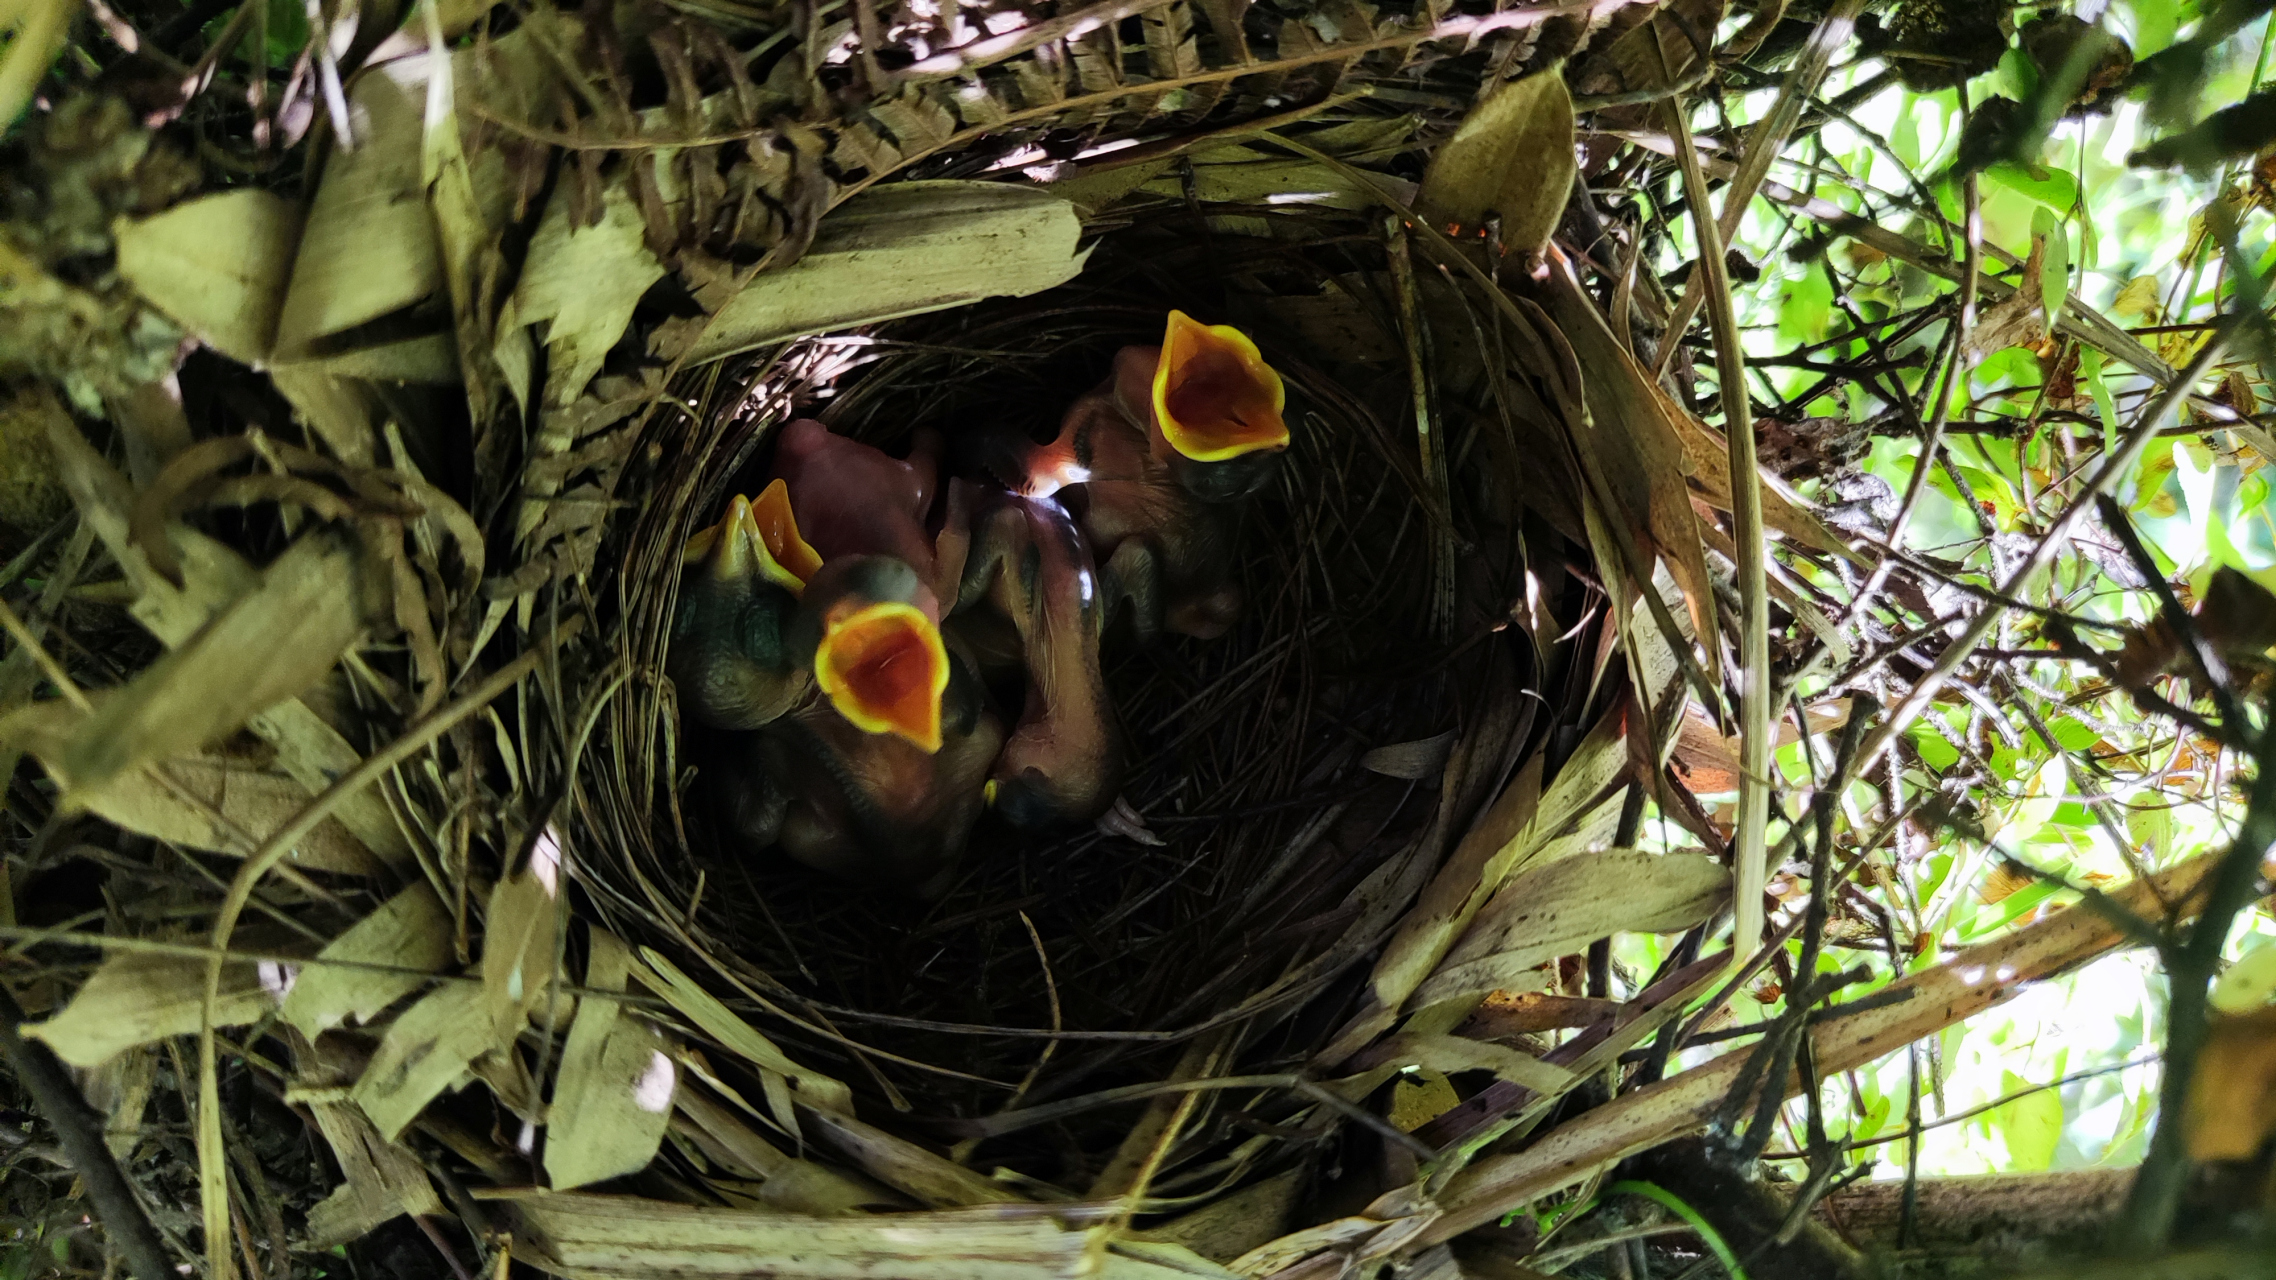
{"x": 884, "y": 668}
{"x": 778, "y": 533}
{"x": 1214, "y": 395}
{"x": 757, "y": 537}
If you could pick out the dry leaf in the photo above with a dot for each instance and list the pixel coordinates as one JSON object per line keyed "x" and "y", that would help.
{"x": 1244, "y": 175}
{"x": 613, "y": 1098}
{"x": 2017, "y": 320}
{"x": 518, "y": 937}
{"x": 1523, "y": 827}
{"x": 591, "y": 1235}
{"x": 136, "y": 998}
{"x": 902, "y": 250}
{"x": 217, "y": 266}
{"x": 1449, "y": 1054}
{"x": 790, "y": 1184}
{"x": 1232, "y": 1225}
{"x": 2232, "y": 1093}
{"x": 411, "y": 931}
{"x": 931, "y": 1180}
{"x": 201, "y": 802}
{"x": 308, "y": 749}
{"x": 1512, "y": 156}
{"x": 370, "y": 248}
{"x": 582, "y": 283}
{"x": 735, "y": 1035}
{"x": 1413, "y": 761}
{"x": 120, "y": 1089}
{"x": 263, "y": 648}
{"x": 1562, "y": 907}
{"x": 378, "y": 1180}
{"x": 425, "y": 1051}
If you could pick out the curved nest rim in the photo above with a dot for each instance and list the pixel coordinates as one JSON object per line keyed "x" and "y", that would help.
{"x": 1066, "y": 962}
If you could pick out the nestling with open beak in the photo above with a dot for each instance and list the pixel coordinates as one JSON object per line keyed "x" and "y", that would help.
{"x": 1151, "y": 463}
{"x": 731, "y": 655}
{"x": 1063, "y": 761}
{"x": 869, "y": 807}
{"x": 868, "y": 760}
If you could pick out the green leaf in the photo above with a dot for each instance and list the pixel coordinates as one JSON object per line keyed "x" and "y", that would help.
{"x": 1876, "y": 1115}
{"x": 2053, "y": 189}
{"x": 1674, "y": 1204}
{"x": 2105, "y": 407}
{"x": 2071, "y": 735}
{"x": 2032, "y": 1126}
{"x": 1935, "y": 751}
{"x": 2055, "y": 273}
{"x": 1806, "y": 309}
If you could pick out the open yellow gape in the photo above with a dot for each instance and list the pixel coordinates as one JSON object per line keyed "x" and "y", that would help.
{"x": 1214, "y": 395}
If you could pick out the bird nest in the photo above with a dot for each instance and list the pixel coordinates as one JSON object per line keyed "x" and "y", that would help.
{"x": 495, "y": 948}
{"x": 1275, "y": 770}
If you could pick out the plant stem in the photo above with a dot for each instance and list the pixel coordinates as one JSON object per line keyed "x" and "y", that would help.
{"x": 1749, "y": 873}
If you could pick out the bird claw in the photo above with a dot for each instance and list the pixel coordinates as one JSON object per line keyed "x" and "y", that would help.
{"x": 1124, "y": 821}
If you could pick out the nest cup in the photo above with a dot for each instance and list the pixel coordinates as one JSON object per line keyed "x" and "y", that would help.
{"x": 1248, "y": 755}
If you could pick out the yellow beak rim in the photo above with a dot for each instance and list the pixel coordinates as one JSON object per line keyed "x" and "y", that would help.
{"x": 1214, "y": 395}
{"x": 760, "y": 538}
{"x": 884, "y": 668}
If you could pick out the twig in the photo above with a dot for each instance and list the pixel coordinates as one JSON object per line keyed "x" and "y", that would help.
{"x": 2121, "y": 463}
{"x": 2189, "y": 968}
{"x": 80, "y": 1131}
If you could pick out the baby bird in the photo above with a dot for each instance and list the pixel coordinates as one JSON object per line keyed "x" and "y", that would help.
{"x": 874, "y": 808}
{"x": 731, "y": 655}
{"x": 1063, "y": 761}
{"x": 854, "y": 499}
{"x": 818, "y": 624}
{"x": 1152, "y": 461}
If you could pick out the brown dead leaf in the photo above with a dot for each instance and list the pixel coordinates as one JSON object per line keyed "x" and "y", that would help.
{"x": 2232, "y": 1092}
{"x": 2017, "y": 320}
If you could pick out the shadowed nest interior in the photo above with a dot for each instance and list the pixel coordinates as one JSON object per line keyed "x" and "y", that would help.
{"x": 1249, "y": 754}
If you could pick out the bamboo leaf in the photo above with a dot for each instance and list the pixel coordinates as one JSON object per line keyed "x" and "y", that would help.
{"x": 136, "y": 997}
{"x": 308, "y": 748}
{"x": 1561, "y": 908}
{"x": 1512, "y": 157}
{"x": 425, "y": 1051}
{"x": 735, "y": 1035}
{"x": 263, "y": 648}
{"x": 613, "y": 1098}
{"x": 618, "y": 1236}
{"x": 903, "y": 1165}
{"x": 1449, "y": 1054}
{"x": 902, "y": 250}
{"x": 370, "y": 248}
{"x": 518, "y": 940}
{"x": 217, "y": 266}
{"x": 378, "y": 1180}
{"x": 411, "y": 931}
{"x": 790, "y": 1184}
